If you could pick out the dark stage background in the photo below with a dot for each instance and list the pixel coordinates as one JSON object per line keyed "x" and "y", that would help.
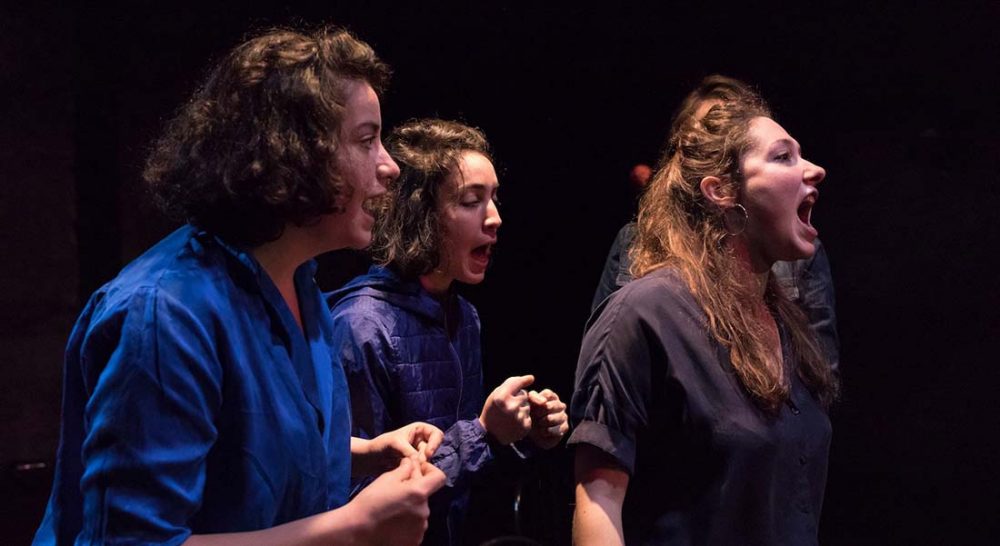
{"x": 898, "y": 102}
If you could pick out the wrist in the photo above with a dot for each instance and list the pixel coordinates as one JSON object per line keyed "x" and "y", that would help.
{"x": 491, "y": 438}
{"x": 361, "y": 451}
{"x": 349, "y": 524}
{"x": 360, "y": 447}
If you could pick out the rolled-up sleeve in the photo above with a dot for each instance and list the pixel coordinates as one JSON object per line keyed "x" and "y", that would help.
{"x": 149, "y": 423}
{"x": 611, "y": 398}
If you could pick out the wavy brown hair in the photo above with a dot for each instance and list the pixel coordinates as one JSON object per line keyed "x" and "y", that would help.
{"x": 679, "y": 227}
{"x": 408, "y": 233}
{"x": 254, "y": 147}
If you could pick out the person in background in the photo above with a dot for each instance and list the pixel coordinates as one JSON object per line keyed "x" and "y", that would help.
{"x": 199, "y": 403}
{"x": 410, "y": 343}
{"x": 700, "y": 406}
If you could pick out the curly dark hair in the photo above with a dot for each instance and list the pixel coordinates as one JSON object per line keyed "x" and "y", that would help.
{"x": 254, "y": 147}
{"x": 408, "y": 233}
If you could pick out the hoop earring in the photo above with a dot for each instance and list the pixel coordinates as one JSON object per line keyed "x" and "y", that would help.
{"x": 736, "y": 222}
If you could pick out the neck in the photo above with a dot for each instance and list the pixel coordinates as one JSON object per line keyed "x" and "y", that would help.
{"x": 436, "y": 284}
{"x": 755, "y": 268}
{"x": 280, "y": 258}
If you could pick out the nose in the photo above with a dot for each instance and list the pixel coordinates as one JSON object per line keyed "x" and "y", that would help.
{"x": 813, "y": 174}
{"x": 493, "y": 220}
{"x": 386, "y": 170}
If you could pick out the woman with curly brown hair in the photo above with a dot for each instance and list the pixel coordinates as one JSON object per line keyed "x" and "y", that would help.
{"x": 701, "y": 394}
{"x": 411, "y": 345}
{"x": 199, "y": 401}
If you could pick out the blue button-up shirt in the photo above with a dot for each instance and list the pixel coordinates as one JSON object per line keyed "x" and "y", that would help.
{"x": 193, "y": 403}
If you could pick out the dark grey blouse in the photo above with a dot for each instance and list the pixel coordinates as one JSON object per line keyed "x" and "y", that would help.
{"x": 657, "y": 392}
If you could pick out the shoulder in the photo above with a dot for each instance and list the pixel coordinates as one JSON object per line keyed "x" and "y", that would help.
{"x": 470, "y": 315}
{"x": 181, "y": 287}
{"x": 657, "y": 310}
{"x": 176, "y": 269}
{"x": 361, "y": 317}
{"x": 653, "y": 294}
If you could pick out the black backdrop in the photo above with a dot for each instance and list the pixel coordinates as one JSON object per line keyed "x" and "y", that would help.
{"x": 898, "y": 102}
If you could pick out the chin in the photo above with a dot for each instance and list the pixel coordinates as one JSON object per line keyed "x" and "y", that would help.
{"x": 804, "y": 250}
{"x": 472, "y": 278}
{"x": 361, "y": 242}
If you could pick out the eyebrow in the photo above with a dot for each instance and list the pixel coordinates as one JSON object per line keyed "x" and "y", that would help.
{"x": 368, "y": 126}
{"x": 788, "y": 142}
{"x": 476, "y": 186}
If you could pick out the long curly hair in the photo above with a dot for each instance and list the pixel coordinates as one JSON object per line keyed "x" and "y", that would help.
{"x": 254, "y": 147}
{"x": 408, "y": 233}
{"x": 679, "y": 227}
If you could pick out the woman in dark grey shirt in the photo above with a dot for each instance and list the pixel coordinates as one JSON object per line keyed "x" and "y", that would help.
{"x": 701, "y": 393}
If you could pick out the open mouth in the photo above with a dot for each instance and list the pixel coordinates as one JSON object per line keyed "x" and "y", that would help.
{"x": 482, "y": 253}
{"x": 805, "y": 209}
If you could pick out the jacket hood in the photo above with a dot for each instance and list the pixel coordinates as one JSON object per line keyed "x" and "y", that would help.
{"x": 384, "y": 284}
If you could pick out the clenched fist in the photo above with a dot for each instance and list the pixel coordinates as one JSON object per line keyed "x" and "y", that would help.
{"x": 507, "y": 412}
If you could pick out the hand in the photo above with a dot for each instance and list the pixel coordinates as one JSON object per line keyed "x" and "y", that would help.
{"x": 382, "y": 453}
{"x": 548, "y": 418}
{"x": 506, "y": 414}
{"x": 393, "y": 508}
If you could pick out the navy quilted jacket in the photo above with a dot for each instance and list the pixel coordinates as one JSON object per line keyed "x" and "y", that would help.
{"x": 409, "y": 357}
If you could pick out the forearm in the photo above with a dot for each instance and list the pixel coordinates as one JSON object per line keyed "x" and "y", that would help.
{"x": 360, "y": 458}
{"x": 601, "y": 484}
{"x": 597, "y": 519}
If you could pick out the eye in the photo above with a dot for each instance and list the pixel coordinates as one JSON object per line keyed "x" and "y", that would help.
{"x": 783, "y": 156}
{"x": 368, "y": 142}
{"x": 470, "y": 202}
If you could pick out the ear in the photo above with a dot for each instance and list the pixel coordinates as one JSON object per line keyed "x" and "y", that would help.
{"x": 717, "y": 192}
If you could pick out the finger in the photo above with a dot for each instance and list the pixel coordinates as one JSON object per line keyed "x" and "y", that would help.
{"x": 555, "y": 406}
{"x": 432, "y": 480}
{"x": 522, "y": 398}
{"x": 536, "y": 398}
{"x": 551, "y": 406}
{"x": 422, "y": 451}
{"x": 525, "y": 417}
{"x": 556, "y": 430}
{"x": 404, "y": 448}
{"x": 433, "y": 442}
{"x": 403, "y": 471}
{"x": 415, "y": 472}
{"x": 550, "y": 420}
{"x": 549, "y": 394}
{"x": 422, "y": 432}
{"x": 516, "y": 383}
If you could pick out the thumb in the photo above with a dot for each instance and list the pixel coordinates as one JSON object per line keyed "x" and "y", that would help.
{"x": 432, "y": 480}
{"x": 402, "y": 472}
{"x": 403, "y": 447}
{"x": 516, "y": 383}
{"x": 537, "y": 398}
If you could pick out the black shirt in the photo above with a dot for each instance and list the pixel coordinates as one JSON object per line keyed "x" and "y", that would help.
{"x": 657, "y": 392}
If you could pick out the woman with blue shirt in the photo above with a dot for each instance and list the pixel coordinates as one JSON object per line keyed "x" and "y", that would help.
{"x": 411, "y": 345}
{"x": 199, "y": 404}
